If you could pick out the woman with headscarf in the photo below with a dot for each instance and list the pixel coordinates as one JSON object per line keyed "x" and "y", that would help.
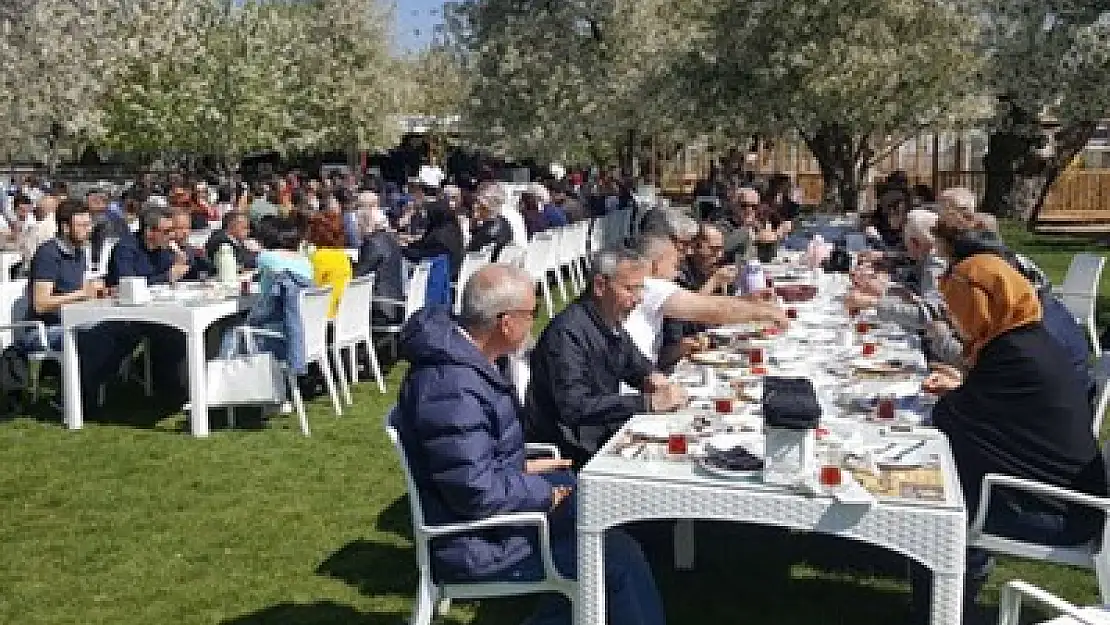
{"x": 443, "y": 237}
{"x": 1020, "y": 410}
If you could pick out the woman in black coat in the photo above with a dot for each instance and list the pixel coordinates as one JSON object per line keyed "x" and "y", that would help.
{"x": 443, "y": 237}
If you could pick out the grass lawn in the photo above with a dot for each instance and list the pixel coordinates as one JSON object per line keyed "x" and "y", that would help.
{"x": 131, "y": 521}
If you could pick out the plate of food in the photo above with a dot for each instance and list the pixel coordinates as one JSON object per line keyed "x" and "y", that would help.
{"x": 716, "y": 358}
{"x": 653, "y": 429}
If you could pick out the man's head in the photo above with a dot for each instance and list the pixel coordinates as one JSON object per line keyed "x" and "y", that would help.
{"x": 155, "y": 226}
{"x": 182, "y": 225}
{"x": 97, "y": 201}
{"x": 662, "y": 255}
{"x": 74, "y": 222}
{"x": 237, "y": 225}
{"x": 708, "y": 248}
{"x": 23, "y": 206}
{"x": 46, "y": 207}
{"x": 918, "y": 232}
{"x": 745, "y": 205}
{"x": 617, "y": 282}
{"x": 498, "y": 308}
{"x": 959, "y": 198}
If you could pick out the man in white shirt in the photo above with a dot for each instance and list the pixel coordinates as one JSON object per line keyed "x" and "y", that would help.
{"x": 663, "y": 298}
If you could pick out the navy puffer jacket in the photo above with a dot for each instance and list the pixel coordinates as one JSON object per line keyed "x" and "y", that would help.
{"x": 457, "y": 418}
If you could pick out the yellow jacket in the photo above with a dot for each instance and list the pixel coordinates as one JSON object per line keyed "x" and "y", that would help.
{"x": 331, "y": 267}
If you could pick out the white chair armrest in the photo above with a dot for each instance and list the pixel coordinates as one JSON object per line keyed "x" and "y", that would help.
{"x": 246, "y": 334}
{"x": 991, "y": 480}
{"x": 389, "y": 301}
{"x": 551, "y": 451}
{"x": 38, "y": 327}
{"x": 1009, "y": 603}
{"x": 538, "y": 519}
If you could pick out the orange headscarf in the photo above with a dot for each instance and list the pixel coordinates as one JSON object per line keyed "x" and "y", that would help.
{"x": 986, "y": 297}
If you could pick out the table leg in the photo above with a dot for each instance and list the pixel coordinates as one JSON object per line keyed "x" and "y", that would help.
{"x": 198, "y": 390}
{"x": 589, "y": 608}
{"x": 685, "y": 545}
{"x": 948, "y": 599}
{"x": 71, "y": 379}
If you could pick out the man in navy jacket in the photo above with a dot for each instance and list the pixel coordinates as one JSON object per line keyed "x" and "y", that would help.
{"x": 458, "y": 423}
{"x": 146, "y": 255}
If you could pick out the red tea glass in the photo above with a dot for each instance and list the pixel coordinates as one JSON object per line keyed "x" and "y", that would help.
{"x": 885, "y": 409}
{"x": 676, "y": 443}
{"x": 755, "y": 356}
{"x": 831, "y": 476}
{"x": 791, "y": 313}
{"x": 863, "y": 327}
{"x": 723, "y": 405}
{"x": 869, "y": 348}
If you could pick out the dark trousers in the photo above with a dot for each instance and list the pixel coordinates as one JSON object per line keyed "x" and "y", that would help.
{"x": 631, "y": 595}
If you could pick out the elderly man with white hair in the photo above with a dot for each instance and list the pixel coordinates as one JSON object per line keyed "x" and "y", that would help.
{"x": 380, "y": 254}
{"x": 489, "y": 228}
{"x": 916, "y": 302}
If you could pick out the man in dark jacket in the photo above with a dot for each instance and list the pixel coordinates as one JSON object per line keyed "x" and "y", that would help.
{"x": 457, "y": 420}
{"x": 146, "y": 255}
{"x": 235, "y": 232}
{"x": 584, "y": 355}
{"x": 380, "y": 254}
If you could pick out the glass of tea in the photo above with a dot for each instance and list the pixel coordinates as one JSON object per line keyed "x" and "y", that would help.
{"x": 832, "y": 460}
{"x": 677, "y": 429}
{"x": 755, "y": 356}
{"x": 869, "y": 348}
{"x": 723, "y": 405}
{"x": 791, "y": 313}
{"x": 863, "y": 326}
{"x": 885, "y": 409}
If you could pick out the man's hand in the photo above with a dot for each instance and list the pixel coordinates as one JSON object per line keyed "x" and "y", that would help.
{"x": 93, "y": 288}
{"x": 178, "y": 272}
{"x": 669, "y": 397}
{"x": 252, "y": 246}
{"x": 769, "y": 312}
{"x": 942, "y": 379}
{"x": 691, "y": 345}
{"x": 535, "y": 466}
{"x": 559, "y": 494}
{"x": 655, "y": 381}
{"x": 723, "y": 277}
{"x": 857, "y": 300}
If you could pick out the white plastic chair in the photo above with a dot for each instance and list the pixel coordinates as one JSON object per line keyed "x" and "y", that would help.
{"x": 1092, "y": 555}
{"x": 512, "y": 255}
{"x": 536, "y": 264}
{"x": 433, "y": 597}
{"x": 416, "y": 292}
{"x": 1079, "y": 292}
{"x": 1009, "y": 606}
{"x": 314, "y": 320}
{"x": 351, "y": 329}
{"x": 1101, "y": 373}
{"x": 471, "y": 263}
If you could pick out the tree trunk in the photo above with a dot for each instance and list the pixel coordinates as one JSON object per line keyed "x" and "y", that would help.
{"x": 843, "y": 162}
{"x": 1023, "y": 161}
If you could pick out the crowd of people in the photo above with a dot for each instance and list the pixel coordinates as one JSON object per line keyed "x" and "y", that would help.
{"x": 1008, "y": 364}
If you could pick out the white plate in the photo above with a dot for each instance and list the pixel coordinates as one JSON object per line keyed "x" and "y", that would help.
{"x": 852, "y": 493}
{"x": 654, "y": 429}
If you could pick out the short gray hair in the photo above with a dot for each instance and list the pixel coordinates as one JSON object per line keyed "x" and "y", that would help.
{"x": 920, "y": 224}
{"x": 652, "y": 246}
{"x": 492, "y": 291}
{"x": 959, "y": 197}
{"x": 683, "y": 226}
{"x": 607, "y": 262}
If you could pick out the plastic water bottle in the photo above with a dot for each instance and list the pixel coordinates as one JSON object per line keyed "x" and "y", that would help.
{"x": 226, "y": 266}
{"x": 751, "y": 279}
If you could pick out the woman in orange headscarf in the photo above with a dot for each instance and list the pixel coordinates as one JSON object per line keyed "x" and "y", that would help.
{"x": 1021, "y": 410}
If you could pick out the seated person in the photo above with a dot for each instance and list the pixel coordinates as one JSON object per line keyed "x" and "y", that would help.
{"x": 443, "y": 237}
{"x": 57, "y": 278}
{"x": 147, "y": 253}
{"x": 380, "y": 254}
{"x": 1020, "y": 410}
{"x": 458, "y": 423}
{"x": 236, "y": 232}
{"x": 184, "y": 252}
{"x": 663, "y": 298}
{"x": 584, "y": 355}
{"x": 281, "y": 238}
{"x": 331, "y": 266}
{"x": 490, "y": 227}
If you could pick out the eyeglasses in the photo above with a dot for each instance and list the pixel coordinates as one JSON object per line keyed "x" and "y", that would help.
{"x": 533, "y": 312}
{"x": 745, "y": 205}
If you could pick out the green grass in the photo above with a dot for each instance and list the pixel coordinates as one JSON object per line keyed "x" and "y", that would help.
{"x": 131, "y": 521}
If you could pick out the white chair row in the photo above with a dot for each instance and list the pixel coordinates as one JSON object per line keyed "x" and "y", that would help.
{"x": 1009, "y": 606}
{"x": 1079, "y": 292}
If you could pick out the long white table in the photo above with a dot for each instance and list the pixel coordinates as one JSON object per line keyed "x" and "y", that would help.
{"x": 193, "y": 319}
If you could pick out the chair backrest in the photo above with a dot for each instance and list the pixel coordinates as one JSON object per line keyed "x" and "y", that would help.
{"x": 419, "y": 537}
{"x": 352, "y": 319}
{"x": 1102, "y": 390}
{"x": 314, "y": 317}
{"x": 471, "y": 263}
{"x": 1083, "y": 275}
{"x": 520, "y": 374}
{"x": 13, "y": 307}
{"x": 536, "y": 259}
{"x": 512, "y": 255}
{"x": 417, "y": 289}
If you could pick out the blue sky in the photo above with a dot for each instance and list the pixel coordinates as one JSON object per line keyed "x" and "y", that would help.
{"x": 415, "y": 20}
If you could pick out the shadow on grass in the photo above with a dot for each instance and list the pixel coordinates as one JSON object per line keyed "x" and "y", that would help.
{"x": 396, "y": 518}
{"x": 373, "y": 568}
{"x": 319, "y": 613}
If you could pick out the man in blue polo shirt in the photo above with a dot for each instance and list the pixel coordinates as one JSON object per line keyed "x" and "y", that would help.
{"x": 147, "y": 254}
{"x": 57, "y": 278}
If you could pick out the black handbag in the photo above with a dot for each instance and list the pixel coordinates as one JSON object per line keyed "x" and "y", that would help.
{"x": 790, "y": 403}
